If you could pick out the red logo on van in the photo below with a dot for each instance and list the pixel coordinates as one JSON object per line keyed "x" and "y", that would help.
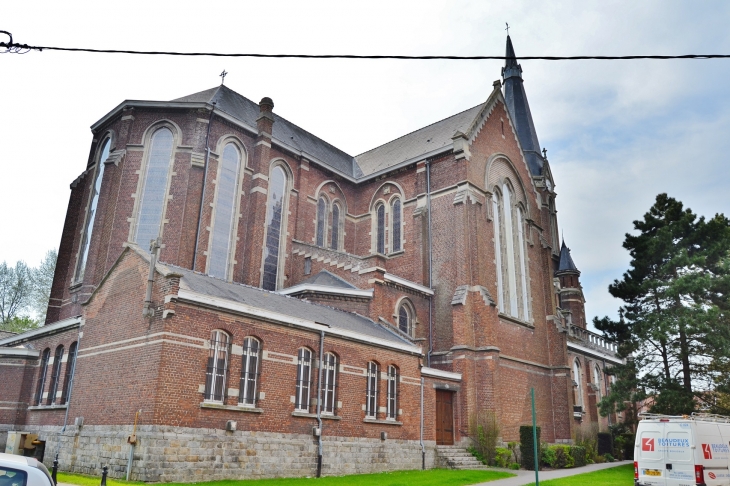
{"x": 712, "y": 475}
{"x": 707, "y": 451}
{"x": 647, "y": 445}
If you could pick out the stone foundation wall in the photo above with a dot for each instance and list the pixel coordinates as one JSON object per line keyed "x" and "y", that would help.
{"x": 185, "y": 454}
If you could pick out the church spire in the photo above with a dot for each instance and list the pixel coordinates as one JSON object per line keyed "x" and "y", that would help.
{"x": 511, "y": 67}
{"x": 566, "y": 261}
{"x": 519, "y": 110}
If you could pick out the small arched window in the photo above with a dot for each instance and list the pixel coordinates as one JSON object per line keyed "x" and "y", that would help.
{"x": 154, "y": 194}
{"x": 250, "y": 371}
{"x": 371, "y": 399}
{"x": 274, "y": 223}
{"x": 406, "y": 317}
{"x": 55, "y": 375}
{"x": 215, "y": 383}
{"x": 522, "y": 250}
{"x": 392, "y": 399}
{"x": 304, "y": 380}
{"x": 70, "y": 371}
{"x": 322, "y": 221}
{"x": 226, "y": 203}
{"x": 380, "y": 228}
{"x": 498, "y": 248}
{"x": 91, "y": 214}
{"x": 43, "y": 372}
{"x": 396, "y": 219}
{"x": 335, "y": 242}
{"x": 597, "y": 381}
{"x": 328, "y": 390}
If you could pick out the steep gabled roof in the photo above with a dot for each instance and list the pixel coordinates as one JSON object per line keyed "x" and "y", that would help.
{"x": 566, "y": 261}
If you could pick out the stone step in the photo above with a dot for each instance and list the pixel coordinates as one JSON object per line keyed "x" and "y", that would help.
{"x": 456, "y": 457}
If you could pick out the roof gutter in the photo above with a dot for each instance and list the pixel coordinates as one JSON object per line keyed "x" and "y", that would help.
{"x": 47, "y": 330}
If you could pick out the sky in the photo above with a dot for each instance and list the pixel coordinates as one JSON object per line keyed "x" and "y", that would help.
{"x": 617, "y": 132}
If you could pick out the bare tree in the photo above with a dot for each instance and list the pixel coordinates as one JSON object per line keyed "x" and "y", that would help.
{"x": 15, "y": 290}
{"x": 42, "y": 278}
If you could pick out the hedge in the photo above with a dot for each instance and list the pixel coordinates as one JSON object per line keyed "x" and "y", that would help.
{"x": 528, "y": 452}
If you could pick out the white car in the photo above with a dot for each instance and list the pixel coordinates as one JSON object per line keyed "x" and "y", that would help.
{"x": 23, "y": 471}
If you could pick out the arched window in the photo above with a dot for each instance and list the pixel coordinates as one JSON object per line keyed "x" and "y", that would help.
{"x": 510, "y": 247}
{"x": 91, "y": 214}
{"x": 554, "y": 226}
{"x": 321, "y": 221}
{"x": 226, "y": 203}
{"x": 380, "y": 228}
{"x": 328, "y": 389}
{"x": 250, "y": 372}
{"x": 274, "y": 222}
{"x": 371, "y": 399}
{"x": 577, "y": 387}
{"x": 522, "y": 250}
{"x": 406, "y": 316}
{"x": 55, "y": 375}
{"x": 304, "y": 380}
{"x": 154, "y": 195}
{"x": 335, "y": 243}
{"x": 70, "y": 370}
{"x": 43, "y": 372}
{"x": 597, "y": 382}
{"x": 498, "y": 248}
{"x": 392, "y": 399}
{"x": 396, "y": 218}
{"x": 215, "y": 383}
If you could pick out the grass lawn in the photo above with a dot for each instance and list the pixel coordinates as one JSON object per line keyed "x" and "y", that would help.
{"x": 432, "y": 477}
{"x": 615, "y": 476}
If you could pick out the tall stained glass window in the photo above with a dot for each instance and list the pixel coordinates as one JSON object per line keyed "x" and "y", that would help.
{"x": 95, "y": 190}
{"x": 154, "y": 194}
{"x": 380, "y": 235}
{"x": 396, "y": 218}
{"x": 274, "y": 215}
{"x": 335, "y": 243}
{"x": 321, "y": 221}
{"x": 225, "y": 212}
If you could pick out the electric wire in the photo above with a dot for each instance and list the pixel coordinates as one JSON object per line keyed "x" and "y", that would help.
{"x": 15, "y": 48}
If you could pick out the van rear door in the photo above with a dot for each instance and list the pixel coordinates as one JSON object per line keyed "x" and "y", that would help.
{"x": 713, "y": 454}
{"x": 648, "y": 455}
{"x": 676, "y": 445}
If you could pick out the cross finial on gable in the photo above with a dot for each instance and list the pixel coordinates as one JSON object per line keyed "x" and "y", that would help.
{"x": 223, "y": 76}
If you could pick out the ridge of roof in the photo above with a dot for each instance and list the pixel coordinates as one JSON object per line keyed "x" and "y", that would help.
{"x": 326, "y": 275}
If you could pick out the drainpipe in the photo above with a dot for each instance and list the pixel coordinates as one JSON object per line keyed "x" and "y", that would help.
{"x": 319, "y": 405}
{"x": 423, "y": 448}
{"x": 147, "y": 310}
{"x": 430, "y": 263}
{"x": 202, "y": 192}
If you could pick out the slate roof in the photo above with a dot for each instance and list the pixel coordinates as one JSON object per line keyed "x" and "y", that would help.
{"x": 327, "y": 279}
{"x": 519, "y": 110}
{"x": 247, "y": 111}
{"x": 282, "y": 304}
{"x": 424, "y": 140}
{"x": 566, "y": 261}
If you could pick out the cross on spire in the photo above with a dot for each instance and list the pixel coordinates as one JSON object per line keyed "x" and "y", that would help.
{"x": 507, "y": 29}
{"x": 223, "y": 76}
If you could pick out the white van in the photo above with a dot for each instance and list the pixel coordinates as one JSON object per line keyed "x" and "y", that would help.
{"x": 682, "y": 451}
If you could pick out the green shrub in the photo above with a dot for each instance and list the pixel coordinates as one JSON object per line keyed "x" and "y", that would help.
{"x": 605, "y": 443}
{"x": 474, "y": 452}
{"x": 548, "y": 456}
{"x": 557, "y": 456}
{"x": 513, "y": 446}
{"x": 578, "y": 456}
{"x": 587, "y": 436}
{"x": 628, "y": 446}
{"x": 526, "y": 449}
{"x": 514, "y": 466}
{"x": 484, "y": 431}
{"x": 608, "y": 457}
{"x": 502, "y": 457}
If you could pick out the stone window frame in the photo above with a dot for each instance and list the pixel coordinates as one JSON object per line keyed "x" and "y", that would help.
{"x": 107, "y": 140}
{"x": 578, "y": 384}
{"x": 330, "y": 383}
{"x": 392, "y": 397}
{"x": 247, "y": 376}
{"x": 372, "y": 376}
{"x": 55, "y": 375}
{"x": 407, "y": 304}
{"x": 223, "y": 142}
{"x": 303, "y": 389}
{"x": 337, "y": 228}
{"x": 42, "y": 375}
{"x": 597, "y": 382}
{"x": 73, "y": 352}
{"x": 142, "y": 172}
{"x": 391, "y": 225}
{"x": 213, "y": 370}
{"x": 284, "y": 233}
{"x": 322, "y": 220}
{"x": 381, "y": 197}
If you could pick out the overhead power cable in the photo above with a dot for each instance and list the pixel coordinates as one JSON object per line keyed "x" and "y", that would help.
{"x": 12, "y": 47}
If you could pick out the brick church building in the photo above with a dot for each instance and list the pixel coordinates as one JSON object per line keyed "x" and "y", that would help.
{"x": 246, "y": 300}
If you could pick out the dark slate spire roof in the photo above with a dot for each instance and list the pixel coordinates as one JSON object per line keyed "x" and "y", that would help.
{"x": 519, "y": 110}
{"x": 566, "y": 261}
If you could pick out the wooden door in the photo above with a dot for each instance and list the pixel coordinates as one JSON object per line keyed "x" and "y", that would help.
{"x": 444, "y": 417}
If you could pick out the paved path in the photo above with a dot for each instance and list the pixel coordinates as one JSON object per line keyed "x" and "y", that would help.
{"x": 528, "y": 477}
